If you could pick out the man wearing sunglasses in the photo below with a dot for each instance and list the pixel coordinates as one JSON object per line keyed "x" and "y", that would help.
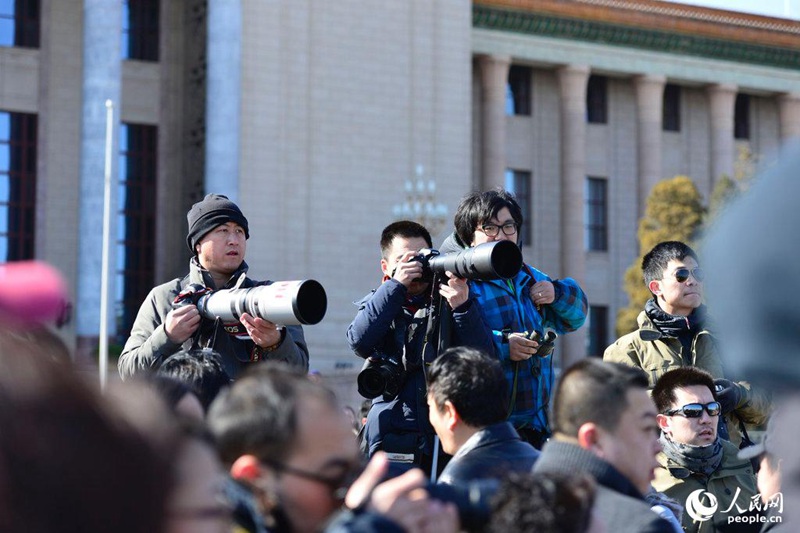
{"x": 694, "y": 458}
{"x": 674, "y": 332}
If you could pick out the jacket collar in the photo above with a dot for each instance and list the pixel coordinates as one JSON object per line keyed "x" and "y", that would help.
{"x": 199, "y": 275}
{"x": 500, "y": 432}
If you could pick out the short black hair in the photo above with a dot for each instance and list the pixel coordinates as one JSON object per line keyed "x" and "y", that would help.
{"x": 594, "y": 391}
{"x": 473, "y": 382}
{"x": 201, "y": 370}
{"x": 655, "y": 261}
{"x": 678, "y": 378}
{"x": 478, "y": 207}
{"x": 406, "y": 229}
{"x": 552, "y": 503}
{"x": 258, "y": 414}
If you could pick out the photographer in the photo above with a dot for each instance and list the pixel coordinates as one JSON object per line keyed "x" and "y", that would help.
{"x": 218, "y": 233}
{"x": 391, "y": 323}
{"x": 515, "y": 308}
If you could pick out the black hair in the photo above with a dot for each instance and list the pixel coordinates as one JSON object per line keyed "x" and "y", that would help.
{"x": 545, "y": 503}
{"x": 170, "y": 389}
{"x": 594, "y": 391}
{"x": 678, "y": 378}
{"x": 478, "y": 207}
{"x": 655, "y": 261}
{"x": 258, "y": 414}
{"x": 201, "y": 370}
{"x": 473, "y": 382}
{"x": 406, "y": 229}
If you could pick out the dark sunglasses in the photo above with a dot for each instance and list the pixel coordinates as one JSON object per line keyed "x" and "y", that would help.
{"x": 695, "y": 410}
{"x": 682, "y": 274}
{"x": 338, "y": 484}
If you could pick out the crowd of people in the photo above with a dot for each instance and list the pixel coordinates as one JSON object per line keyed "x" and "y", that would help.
{"x": 218, "y": 427}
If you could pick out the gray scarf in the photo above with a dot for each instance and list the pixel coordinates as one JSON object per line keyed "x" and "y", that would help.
{"x": 696, "y": 459}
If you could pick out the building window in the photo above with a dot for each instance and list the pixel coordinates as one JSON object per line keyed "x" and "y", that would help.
{"x": 135, "y": 221}
{"x": 19, "y": 23}
{"x": 17, "y": 186}
{"x": 597, "y": 100}
{"x": 519, "y": 183}
{"x": 741, "y": 117}
{"x": 598, "y": 330}
{"x": 518, "y": 91}
{"x": 596, "y": 214}
{"x": 671, "y": 118}
{"x": 140, "y": 22}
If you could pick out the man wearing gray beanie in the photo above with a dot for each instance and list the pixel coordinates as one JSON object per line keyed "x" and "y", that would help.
{"x": 217, "y": 237}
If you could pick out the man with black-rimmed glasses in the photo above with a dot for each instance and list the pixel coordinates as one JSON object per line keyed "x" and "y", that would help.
{"x": 674, "y": 332}
{"x": 697, "y": 468}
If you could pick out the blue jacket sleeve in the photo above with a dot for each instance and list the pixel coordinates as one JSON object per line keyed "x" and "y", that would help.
{"x": 470, "y": 329}
{"x": 374, "y": 317}
{"x": 568, "y": 310}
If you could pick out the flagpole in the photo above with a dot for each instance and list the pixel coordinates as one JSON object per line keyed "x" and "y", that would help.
{"x": 104, "y": 275}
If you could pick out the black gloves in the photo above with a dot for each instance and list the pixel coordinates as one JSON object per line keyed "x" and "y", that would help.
{"x": 729, "y": 394}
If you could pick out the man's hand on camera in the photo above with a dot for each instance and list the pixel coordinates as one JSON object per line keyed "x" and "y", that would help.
{"x": 181, "y": 323}
{"x": 520, "y": 348}
{"x": 456, "y": 291}
{"x": 407, "y": 271}
{"x": 263, "y": 332}
{"x": 543, "y": 293}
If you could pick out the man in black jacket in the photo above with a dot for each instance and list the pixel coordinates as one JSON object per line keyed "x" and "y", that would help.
{"x": 467, "y": 393}
{"x": 605, "y": 425}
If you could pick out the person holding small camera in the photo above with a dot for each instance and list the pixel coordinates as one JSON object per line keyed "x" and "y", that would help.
{"x": 218, "y": 233}
{"x": 518, "y": 311}
{"x": 391, "y": 324}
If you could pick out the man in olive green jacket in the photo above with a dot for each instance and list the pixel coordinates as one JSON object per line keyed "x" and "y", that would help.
{"x": 674, "y": 332}
{"x": 697, "y": 468}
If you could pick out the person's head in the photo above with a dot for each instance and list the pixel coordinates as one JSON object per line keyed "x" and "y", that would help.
{"x": 467, "y": 391}
{"x": 671, "y": 271}
{"x": 545, "y": 503}
{"x": 69, "y": 461}
{"x": 399, "y": 238}
{"x": 286, "y": 438}
{"x": 200, "y": 370}
{"x": 688, "y": 411}
{"x": 605, "y": 409}
{"x": 175, "y": 394}
{"x": 218, "y": 233}
{"x": 487, "y": 217}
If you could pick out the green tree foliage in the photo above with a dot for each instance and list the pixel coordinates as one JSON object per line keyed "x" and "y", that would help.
{"x": 674, "y": 212}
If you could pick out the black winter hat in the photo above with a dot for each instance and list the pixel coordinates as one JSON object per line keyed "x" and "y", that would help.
{"x": 212, "y": 211}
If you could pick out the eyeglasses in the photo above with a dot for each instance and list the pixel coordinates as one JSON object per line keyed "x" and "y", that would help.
{"x": 338, "y": 484}
{"x": 492, "y": 230}
{"x": 682, "y": 274}
{"x": 695, "y": 410}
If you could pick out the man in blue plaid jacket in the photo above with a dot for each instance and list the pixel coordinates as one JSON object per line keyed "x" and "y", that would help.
{"x": 512, "y": 309}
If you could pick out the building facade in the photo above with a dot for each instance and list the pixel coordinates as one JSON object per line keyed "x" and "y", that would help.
{"x": 317, "y": 118}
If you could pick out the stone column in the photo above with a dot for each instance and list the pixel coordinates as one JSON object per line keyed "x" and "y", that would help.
{"x": 102, "y": 80}
{"x": 223, "y": 97}
{"x": 572, "y": 80}
{"x": 789, "y": 109}
{"x": 721, "y": 104}
{"x": 494, "y": 77}
{"x": 649, "y": 104}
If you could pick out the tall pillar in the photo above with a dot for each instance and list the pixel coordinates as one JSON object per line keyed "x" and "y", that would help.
{"x": 102, "y": 80}
{"x": 721, "y": 104}
{"x": 572, "y": 81}
{"x": 789, "y": 109}
{"x": 223, "y": 100}
{"x": 494, "y": 76}
{"x": 649, "y": 102}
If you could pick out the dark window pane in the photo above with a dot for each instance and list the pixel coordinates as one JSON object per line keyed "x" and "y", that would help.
{"x": 597, "y": 100}
{"x": 741, "y": 120}
{"x": 518, "y": 91}
{"x": 17, "y": 185}
{"x": 596, "y": 215}
{"x": 140, "y": 29}
{"x": 136, "y": 195}
{"x": 672, "y": 108}
{"x": 19, "y": 23}
{"x": 598, "y": 330}
{"x": 519, "y": 183}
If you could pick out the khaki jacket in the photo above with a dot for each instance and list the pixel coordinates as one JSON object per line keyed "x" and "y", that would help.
{"x": 733, "y": 483}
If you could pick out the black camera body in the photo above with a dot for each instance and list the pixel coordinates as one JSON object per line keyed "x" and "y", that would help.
{"x": 381, "y": 375}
